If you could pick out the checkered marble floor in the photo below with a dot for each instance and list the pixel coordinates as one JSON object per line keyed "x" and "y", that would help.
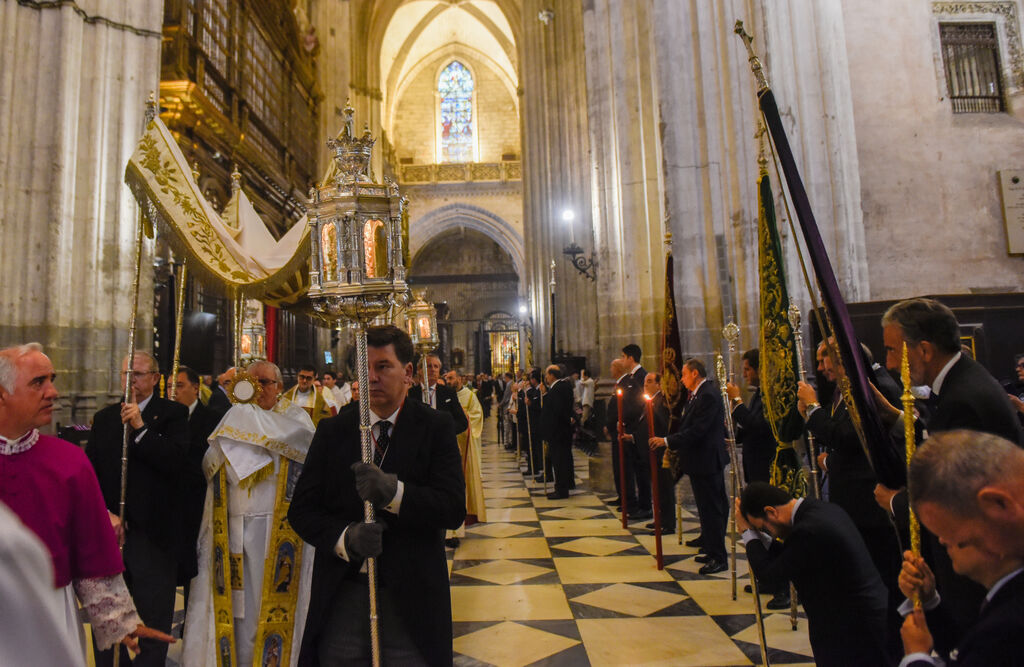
{"x": 560, "y": 582}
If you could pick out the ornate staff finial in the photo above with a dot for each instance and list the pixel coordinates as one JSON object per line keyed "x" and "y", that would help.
{"x": 731, "y": 332}
{"x": 755, "y": 62}
{"x": 668, "y": 240}
{"x": 794, "y": 316}
{"x": 195, "y": 171}
{"x": 236, "y": 179}
{"x": 150, "y": 107}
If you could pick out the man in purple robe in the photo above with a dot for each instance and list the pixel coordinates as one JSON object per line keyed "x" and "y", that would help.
{"x": 50, "y": 485}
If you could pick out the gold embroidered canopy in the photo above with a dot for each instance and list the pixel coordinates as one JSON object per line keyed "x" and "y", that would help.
{"x": 234, "y": 251}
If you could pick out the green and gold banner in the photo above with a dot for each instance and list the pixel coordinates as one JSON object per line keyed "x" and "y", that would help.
{"x": 778, "y": 367}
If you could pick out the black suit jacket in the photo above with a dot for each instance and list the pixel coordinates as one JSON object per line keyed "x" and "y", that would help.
{"x": 156, "y": 468}
{"x": 534, "y": 419}
{"x": 970, "y": 399}
{"x": 852, "y": 481}
{"x": 201, "y": 423}
{"x": 633, "y": 407}
{"x": 412, "y": 567}
{"x": 755, "y": 433}
{"x": 845, "y": 600}
{"x": 994, "y": 637}
{"x": 219, "y": 401}
{"x": 700, "y": 440}
{"x": 556, "y": 413}
{"x": 973, "y": 399}
{"x": 447, "y": 400}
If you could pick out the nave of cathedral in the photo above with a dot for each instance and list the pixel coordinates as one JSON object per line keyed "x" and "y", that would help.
{"x": 213, "y": 184}
{"x": 560, "y": 583}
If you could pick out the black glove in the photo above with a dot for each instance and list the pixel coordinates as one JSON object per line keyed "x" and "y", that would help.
{"x": 374, "y": 484}
{"x": 364, "y": 540}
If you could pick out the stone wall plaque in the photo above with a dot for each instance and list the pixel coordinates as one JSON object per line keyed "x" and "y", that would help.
{"x": 1011, "y": 186}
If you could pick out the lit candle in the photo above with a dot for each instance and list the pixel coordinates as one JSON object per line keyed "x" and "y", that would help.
{"x": 650, "y": 416}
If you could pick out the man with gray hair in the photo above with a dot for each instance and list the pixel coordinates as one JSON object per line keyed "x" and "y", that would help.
{"x": 979, "y": 477}
{"x": 156, "y": 472}
{"x": 963, "y": 393}
{"x": 252, "y": 590}
{"x": 51, "y": 487}
{"x": 962, "y": 483}
{"x": 963, "y": 396}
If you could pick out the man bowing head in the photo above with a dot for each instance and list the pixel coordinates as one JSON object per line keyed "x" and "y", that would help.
{"x": 415, "y": 482}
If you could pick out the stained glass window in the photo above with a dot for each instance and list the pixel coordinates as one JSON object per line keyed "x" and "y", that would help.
{"x": 455, "y": 86}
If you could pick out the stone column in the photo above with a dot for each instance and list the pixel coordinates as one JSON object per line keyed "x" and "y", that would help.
{"x": 807, "y": 66}
{"x": 556, "y": 177}
{"x": 73, "y": 85}
{"x": 626, "y": 153}
{"x": 708, "y": 113}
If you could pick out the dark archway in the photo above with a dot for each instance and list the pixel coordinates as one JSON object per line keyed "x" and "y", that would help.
{"x": 474, "y": 277}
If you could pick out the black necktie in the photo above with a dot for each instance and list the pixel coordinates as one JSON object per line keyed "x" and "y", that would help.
{"x": 383, "y": 441}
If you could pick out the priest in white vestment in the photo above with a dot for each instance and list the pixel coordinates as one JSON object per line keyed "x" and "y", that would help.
{"x": 469, "y": 447}
{"x": 249, "y": 600}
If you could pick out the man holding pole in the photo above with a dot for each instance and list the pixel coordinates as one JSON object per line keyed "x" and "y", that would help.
{"x": 156, "y": 473}
{"x": 556, "y": 417}
{"x": 700, "y": 444}
{"x": 417, "y": 487}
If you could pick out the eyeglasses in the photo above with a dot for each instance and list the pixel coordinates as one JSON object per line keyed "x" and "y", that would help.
{"x": 139, "y": 374}
{"x": 265, "y": 382}
{"x": 307, "y": 377}
{"x": 1020, "y": 364}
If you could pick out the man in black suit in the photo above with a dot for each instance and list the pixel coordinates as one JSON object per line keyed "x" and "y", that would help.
{"x": 439, "y": 396}
{"x": 964, "y": 396}
{"x": 952, "y": 478}
{"x": 752, "y": 427}
{"x": 623, "y": 381}
{"x": 219, "y": 401}
{"x": 556, "y": 419}
{"x": 852, "y": 480}
{"x": 529, "y": 418}
{"x": 638, "y": 470}
{"x": 201, "y": 422}
{"x": 845, "y": 601}
{"x": 666, "y": 481}
{"x": 157, "y": 464}
{"x": 700, "y": 444}
{"x": 417, "y": 486}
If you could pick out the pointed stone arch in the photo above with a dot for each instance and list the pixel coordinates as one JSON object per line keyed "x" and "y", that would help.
{"x": 456, "y": 215}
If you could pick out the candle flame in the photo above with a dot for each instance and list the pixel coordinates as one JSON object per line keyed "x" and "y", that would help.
{"x": 619, "y": 392}
{"x": 646, "y": 397}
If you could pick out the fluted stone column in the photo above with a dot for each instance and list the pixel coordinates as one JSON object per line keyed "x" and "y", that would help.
{"x": 72, "y": 99}
{"x": 708, "y": 111}
{"x": 556, "y": 177}
{"x": 805, "y": 45}
{"x": 628, "y": 197}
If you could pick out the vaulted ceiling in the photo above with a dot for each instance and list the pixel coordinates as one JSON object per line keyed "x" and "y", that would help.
{"x": 421, "y": 30}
